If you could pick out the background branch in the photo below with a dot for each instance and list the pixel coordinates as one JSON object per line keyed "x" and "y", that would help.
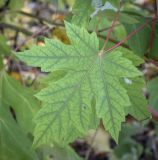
{"x": 40, "y": 18}
{"x": 16, "y": 28}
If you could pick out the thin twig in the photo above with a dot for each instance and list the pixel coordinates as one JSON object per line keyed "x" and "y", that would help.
{"x": 129, "y": 36}
{"x": 16, "y": 28}
{"x": 91, "y": 145}
{"x": 39, "y": 32}
{"x": 114, "y": 41}
{"x": 112, "y": 27}
{"x": 152, "y": 34}
{"x": 106, "y": 29}
{"x": 40, "y": 18}
{"x": 15, "y": 39}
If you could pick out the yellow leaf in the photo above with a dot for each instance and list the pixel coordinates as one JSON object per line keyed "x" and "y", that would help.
{"x": 16, "y": 76}
{"x": 60, "y": 34}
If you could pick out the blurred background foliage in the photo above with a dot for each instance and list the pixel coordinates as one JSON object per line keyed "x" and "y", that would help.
{"x": 24, "y": 23}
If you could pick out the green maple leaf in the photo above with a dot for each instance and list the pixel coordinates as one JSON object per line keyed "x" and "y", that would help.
{"x": 138, "y": 108}
{"x": 91, "y": 73}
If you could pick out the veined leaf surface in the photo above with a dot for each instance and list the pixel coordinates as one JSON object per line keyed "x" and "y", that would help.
{"x": 91, "y": 73}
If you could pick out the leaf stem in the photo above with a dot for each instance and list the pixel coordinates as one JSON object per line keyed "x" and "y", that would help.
{"x": 112, "y": 26}
{"x": 152, "y": 34}
{"x": 114, "y": 41}
{"x": 107, "y": 28}
{"x": 130, "y": 35}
